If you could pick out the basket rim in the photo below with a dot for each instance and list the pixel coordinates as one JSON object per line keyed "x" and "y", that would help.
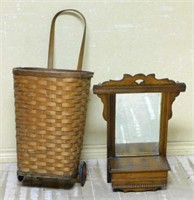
{"x": 55, "y": 73}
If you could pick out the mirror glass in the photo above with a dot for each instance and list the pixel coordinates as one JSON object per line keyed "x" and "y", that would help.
{"x": 137, "y": 124}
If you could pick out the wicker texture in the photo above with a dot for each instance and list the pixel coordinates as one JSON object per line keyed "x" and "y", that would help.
{"x": 50, "y": 106}
{"x": 50, "y": 118}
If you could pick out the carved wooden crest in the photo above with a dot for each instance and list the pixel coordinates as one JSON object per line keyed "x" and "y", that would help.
{"x": 138, "y": 79}
{"x": 139, "y": 83}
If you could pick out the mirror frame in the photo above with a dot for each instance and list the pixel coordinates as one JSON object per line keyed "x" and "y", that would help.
{"x": 138, "y": 83}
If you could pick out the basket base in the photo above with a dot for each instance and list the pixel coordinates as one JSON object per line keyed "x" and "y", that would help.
{"x": 79, "y": 176}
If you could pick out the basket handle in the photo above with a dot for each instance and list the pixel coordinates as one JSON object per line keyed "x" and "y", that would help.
{"x": 52, "y": 34}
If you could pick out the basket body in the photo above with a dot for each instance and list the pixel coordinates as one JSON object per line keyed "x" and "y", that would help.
{"x": 50, "y": 107}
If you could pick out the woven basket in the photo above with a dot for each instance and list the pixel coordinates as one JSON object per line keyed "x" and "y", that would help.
{"x": 50, "y": 107}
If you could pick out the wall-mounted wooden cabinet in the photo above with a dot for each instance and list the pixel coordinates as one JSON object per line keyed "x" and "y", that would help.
{"x": 137, "y": 109}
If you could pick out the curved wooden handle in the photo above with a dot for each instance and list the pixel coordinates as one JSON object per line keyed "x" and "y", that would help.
{"x": 52, "y": 36}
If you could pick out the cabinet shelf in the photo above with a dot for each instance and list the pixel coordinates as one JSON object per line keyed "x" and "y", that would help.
{"x": 138, "y": 173}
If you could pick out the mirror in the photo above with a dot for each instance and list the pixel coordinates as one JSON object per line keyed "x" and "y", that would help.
{"x": 137, "y": 124}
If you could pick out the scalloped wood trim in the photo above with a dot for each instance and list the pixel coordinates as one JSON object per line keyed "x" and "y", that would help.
{"x": 139, "y": 79}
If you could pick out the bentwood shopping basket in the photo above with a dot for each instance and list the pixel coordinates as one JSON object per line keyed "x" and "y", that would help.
{"x": 50, "y": 107}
